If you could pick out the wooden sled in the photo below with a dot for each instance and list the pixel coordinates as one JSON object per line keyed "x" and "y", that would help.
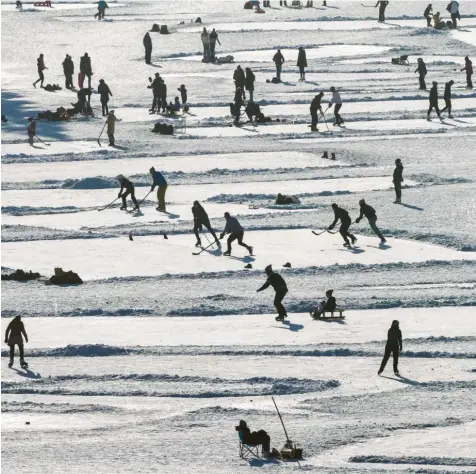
{"x": 42, "y": 4}
{"x": 332, "y": 314}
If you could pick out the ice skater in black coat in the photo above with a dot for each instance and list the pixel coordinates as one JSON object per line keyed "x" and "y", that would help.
{"x": 394, "y": 346}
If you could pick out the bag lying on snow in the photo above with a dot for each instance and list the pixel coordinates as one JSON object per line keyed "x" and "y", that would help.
{"x": 64, "y": 278}
{"x": 284, "y": 199}
{"x": 20, "y": 275}
{"x": 163, "y": 128}
{"x": 225, "y": 59}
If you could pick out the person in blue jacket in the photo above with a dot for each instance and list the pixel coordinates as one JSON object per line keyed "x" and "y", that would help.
{"x": 161, "y": 182}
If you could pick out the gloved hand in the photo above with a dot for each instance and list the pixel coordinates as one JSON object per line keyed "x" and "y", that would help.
{"x": 330, "y": 227}
{"x": 119, "y": 195}
{"x": 152, "y": 188}
{"x": 6, "y": 341}
{"x": 222, "y": 235}
{"x": 357, "y": 220}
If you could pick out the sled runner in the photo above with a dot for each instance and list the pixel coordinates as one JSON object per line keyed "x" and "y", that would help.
{"x": 401, "y": 61}
{"x": 42, "y": 4}
{"x": 338, "y": 311}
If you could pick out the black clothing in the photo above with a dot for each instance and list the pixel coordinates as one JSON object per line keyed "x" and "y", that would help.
{"x": 433, "y": 95}
{"x": 398, "y": 190}
{"x": 238, "y": 103}
{"x": 330, "y": 304}
{"x": 427, "y": 11}
{"x": 147, "y": 41}
{"x": 129, "y": 187}
{"x": 15, "y": 329}
{"x": 315, "y": 107}
{"x": 394, "y": 345}
{"x": 394, "y": 337}
{"x": 256, "y": 438}
{"x": 68, "y": 69}
{"x": 278, "y": 298}
{"x": 389, "y": 350}
{"x": 85, "y": 68}
{"x": 239, "y": 77}
{"x": 276, "y": 281}
{"x": 236, "y": 236}
{"x": 301, "y": 60}
{"x": 126, "y": 184}
{"x": 447, "y": 106}
{"x": 104, "y": 92}
{"x": 367, "y": 211}
{"x": 422, "y": 73}
{"x": 200, "y": 218}
{"x": 398, "y": 174}
{"x": 345, "y": 223}
{"x": 250, "y": 81}
{"x": 447, "y": 95}
{"x": 84, "y": 98}
{"x": 381, "y": 12}
{"x": 183, "y": 93}
{"x": 162, "y": 95}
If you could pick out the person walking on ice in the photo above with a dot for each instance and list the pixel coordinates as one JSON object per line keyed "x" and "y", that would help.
{"x": 369, "y": 212}
{"x": 398, "y": 180}
{"x": 31, "y": 130}
{"x": 277, "y": 282}
{"x": 278, "y": 59}
{"x": 315, "y": 108}
{"x": 14, "y": 337}
{"x": 434, "y": 102}
{"x": 159, "y": 180}
{"x": 147, "y": 41}
{"x": 40, "y": 62}
{"x": 345, "y": 222}
{"x": 200, "y": 218}
{"x": 104, "y": 93}
{"x": 447, "y": 98}
{"x": 129, "y": 189}
{"x": 302, "y": 63}
{"x": 337, "y": 102}
{"x": 111, "y": 127}
{"x": 233, "y": 227}
{"x": 394, "y": 346}
{"x": 421, "y": 69}
{"x": 468, "y": 67}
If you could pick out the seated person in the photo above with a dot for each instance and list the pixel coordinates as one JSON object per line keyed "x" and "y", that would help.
{"x": 284, "y": 199}
{"x": 328, "y": 305}
{"x": 254, "y": 438}
{"x": 174, "y": 107}
{"x": 438, "y": 22}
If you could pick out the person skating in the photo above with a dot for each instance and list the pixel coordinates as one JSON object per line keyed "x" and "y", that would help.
{"x": 213, "y": 37}
{"x": 394, "y": 346}
{"x": 111, "y": 127}
{"x": 315, "y": 108}
{"x": 85, "y": 67}
{"x": 453, "y": 9}
{"x": 369, "y": 212}
{"x": 250, "y": 82}
{"x": 183, "y": 94}
{"x": 233, "y": 227}
{"x": 327, "y": 305}
{"x": 40, "y": 62}
{"x": 278, "y": 59}
{"x": 255, "y": 438}
{"x": 422, "y": 72}
{"x": 206, "y": 45}
{"x": 14, "y": 337}
{"x": 147, "y": 42}
{"x": 200, "y": 219}
{"x": 31, "y": 130}
{"x": 129, "y": 189}
{"x": 447, "y": 97}
{"x": 238, "y": 102}
{"x": 102, "y": 5}
{"x": 428, "y": 14}
{"x": 161, "y": 183}
{"x": 104, "y": 92}
{"x": 381, "y": 11}
{"x": 398, "y": 180}
{"x": 337, "y": 102}
{"x": 468, "y": 67}
{"x": 277, "y": 282}
{"x": 68, "y": 70}
{"x": 433, "y": 102}
{"x": 302, "y": 63}
{"x": 240, "y": 80}
{"x": 345, "y": 222}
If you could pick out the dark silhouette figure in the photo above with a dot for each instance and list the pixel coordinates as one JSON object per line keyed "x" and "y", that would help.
{"x": 315, "y": 108}
{"x": 394, "y": 346}
{"x": 200, "y": 219}
{"x": 345, "y": 222}
{"x": 302, "y": 63}
{"x": 277, "y": 282}
{"x": 381, "y": 11}
{"x": 236, "y": 231}
{"x": 129, "y": 189}
{"x": 278, "y": 59}
{"x": 250, "y": 82}
{"x": 447, "y": 98}
{"x": 398, "y": 180}
{"x": 422, "y": 72}
{"x": 14, "y": 337}
{"x": 104, "y": 93}
{"x": 240, "y": 80}
{"x": 40, "y": 62}
{"x": 85, "y": 68}
{"x": 468, "y": 67}
{"x": 147, "y": 41}
{"x": 433, "y": 101}
{"x": 428, "y": 14}
{"x": 68, "y": 70}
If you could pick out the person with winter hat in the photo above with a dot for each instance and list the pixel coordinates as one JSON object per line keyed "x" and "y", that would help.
{"x": 337, "y": 102}
{"x": 183, "y": 93}
{"x": 31, "y": 130}
{"x": 302, "y": 63}
{"x": 161, "y": 183}
{"x": 129, "y": 189}
{"x": 40, "y": 62}
{"x": 369, "y": 212}
{"x": 433, "y": 102}
{"x": 277, "y": 282}
{"x": 398, "y": 180}
{"x": 200, "y": 219}
{"x": 111, "y": 127}
{"x": 394, "y": 346}
{"x": 327, "y": 305}
{"x": 255, "y": 438}
{"x": 468, "y": 67}
{"x": 240, "y": 80}
{"x": 236, "y": 231}
{"x": 345, "y": 222}
{"x": 447, "y": 98}
{"x": 14, "y": 337}
{"x": 421, "y": 69}
{"x": 104, "y": 93}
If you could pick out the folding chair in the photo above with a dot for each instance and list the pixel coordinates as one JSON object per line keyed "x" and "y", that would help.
{"x": 248, "y": 449}
{"x": 180, "y": 123}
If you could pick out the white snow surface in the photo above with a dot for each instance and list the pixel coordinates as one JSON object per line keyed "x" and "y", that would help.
{"x": 149, "y": 365}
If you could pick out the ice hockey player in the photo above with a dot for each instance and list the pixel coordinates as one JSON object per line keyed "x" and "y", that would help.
{"x": 302, "y": 63}
{"x": 129, "y": 189}
{"x": 278, "y": 59}
{"x": 233, "y": 227}
{"x": 104, "y": 92}
{"x": 394, "y": 345}
{"x": 421, "y": 69}
{"x": 147, "y": 41}
{"x": 428, "y": 13}
{"x": 200, "y": 219}
{"x": 31, "y": 130}
{"x": 329, "y": 304}
{"x": 468, "y": 67}
{"x": 14, "y": 337}
{"x": 68, "y": 70}
{"x": 255, "y": 438}
{"x": 315, "y": 108}
{"x": 381, "y": 11}
{"x": 447, "y": 97}
{"x": 240, "y": 80}
{"x": 398, "y": 180}
{"x": 345, "y": 222}
{"x": 369, "y": 212}
{"x": 433, "y": 102}
{"x": 111, "y": 127}
{"x": 85, "y": 68}
{"x": 337, "y": 102}
{"x": 40, "y": 62}
{"x": 159, "y": 180}
{"x": 277, "y": 282}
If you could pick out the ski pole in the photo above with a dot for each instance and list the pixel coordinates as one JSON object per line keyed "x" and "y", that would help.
{"x": 44, "y": 143}
{"x": 110, "y": 204}
{"x": 104, "y": 126}
{"x": 145, "y": 197}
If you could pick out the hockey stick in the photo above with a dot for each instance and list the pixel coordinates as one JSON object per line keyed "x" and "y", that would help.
{"x": 44, "y": 143}
{"x": 145, "y": 197}
{"x": 324, "y": 231}
{"x": 206, "y": 236}
{"x": 105, "y": 123}
{"x": 110, "y": 204}
{"x": 325, "y": 121}
{"x": 204, "y": 248}
{"x": 367, "y": 6}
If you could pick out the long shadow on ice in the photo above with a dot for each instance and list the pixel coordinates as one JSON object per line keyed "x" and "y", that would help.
{"x": 402, "y": 380}
{"x": 409, "y": 206}
{"x": 28, "y": 373}
{"x": 291, "y": 326}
